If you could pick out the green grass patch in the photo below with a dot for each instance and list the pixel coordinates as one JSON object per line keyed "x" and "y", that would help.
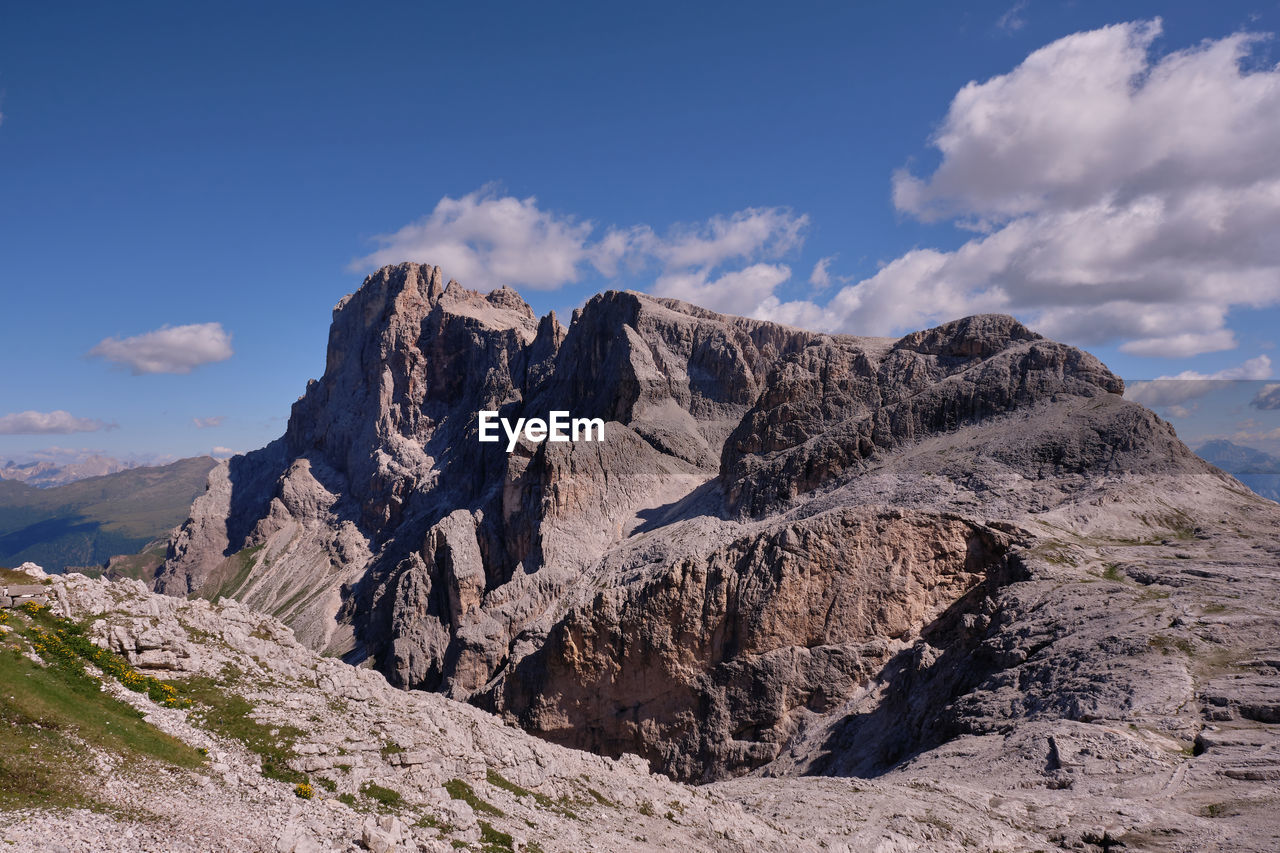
{"x": 50, "y": 714}
{"x": 240, "y": 564}
{"x": 226, "y": 713}
{"x": 62, "y": 643}
{"x": 13, "y": 576}
{"x": 430, "y": 821}
{"x": 385, "y": 797}
{"x": 564, "y": 805}
{"x": 495, "y": 840}
{"x": 601, "y": 798}
{"x": 458, "y": 789}
{"x": 493, "y": 777}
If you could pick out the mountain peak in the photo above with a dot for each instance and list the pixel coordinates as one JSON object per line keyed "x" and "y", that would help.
{"x": 753, "y": 477}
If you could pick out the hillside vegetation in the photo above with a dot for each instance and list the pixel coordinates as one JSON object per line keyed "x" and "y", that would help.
{"x": 83, "y": 524}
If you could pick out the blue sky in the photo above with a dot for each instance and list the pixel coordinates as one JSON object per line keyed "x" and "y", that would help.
{"x": 238, "y": 167}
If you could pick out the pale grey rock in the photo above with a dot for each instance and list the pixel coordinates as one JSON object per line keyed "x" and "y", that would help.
{"x": 795, "y": 554}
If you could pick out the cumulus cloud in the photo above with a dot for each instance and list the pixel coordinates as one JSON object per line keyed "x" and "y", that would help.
{"x": 737, "y": 292}
{"x": 693, "y": 258}
{"x": 221, "y": 452}
{"x": 754, "y": 232}
{"x": 169, "y": 349}
{"x": 1171, "y": 391}
{"x": 486, "y": 240}
{"x": 49, "y": 423}
{"x": 1268, "y": 398}
{"x": 209, "y": 422}
{"x": 1117, "y": 196}
{"x": 820, "y": 278}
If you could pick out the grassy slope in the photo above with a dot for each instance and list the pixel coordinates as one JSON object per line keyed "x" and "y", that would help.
{"x": 52, "y": 718}
{"x": 86, "y": 522}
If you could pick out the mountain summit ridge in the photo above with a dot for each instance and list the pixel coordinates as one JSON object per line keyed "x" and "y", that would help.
{"x": 781, "y": 525}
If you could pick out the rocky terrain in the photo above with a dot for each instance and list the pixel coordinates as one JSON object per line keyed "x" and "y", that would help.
{"x": 956, "y": 574}
{"x": 387, "y": 769}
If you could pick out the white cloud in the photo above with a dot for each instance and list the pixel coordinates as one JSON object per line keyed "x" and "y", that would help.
{"x": 1013, "y": 20}
{"x": 1268, "y": 397}
{"x": 747, "y": 291}
{"x": 1246, "y": 436}
{"x": 221, "y": 452}
{"x": 48, "y": 423}
{"x": 755, "y": 232}
{"x": 1170, "y": 391}
{"x": 820, "y": 278}
{"x": 485, "y": 240}
{"x": 209, "y": 422}
{"x": 1118, "y": 196}
{"x": 169, "y": 349}
{"x": 1254, "y": 368}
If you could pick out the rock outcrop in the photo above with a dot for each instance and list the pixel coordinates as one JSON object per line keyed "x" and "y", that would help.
{"x": 784, "y": 537}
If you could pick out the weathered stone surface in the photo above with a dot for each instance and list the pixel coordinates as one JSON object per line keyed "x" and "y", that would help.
{"x": 794, "y": 553}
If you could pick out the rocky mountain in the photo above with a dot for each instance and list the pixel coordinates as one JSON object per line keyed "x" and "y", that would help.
{"x": 1257, "y": 470}
{"x": 44, "y": 473}
{"x": 139, "y": 722}
{"x": 957, "y": 554}
{"x": 87, "y": 522}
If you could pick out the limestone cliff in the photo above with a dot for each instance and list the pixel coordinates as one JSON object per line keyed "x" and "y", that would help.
{"x": 782, "y": 530}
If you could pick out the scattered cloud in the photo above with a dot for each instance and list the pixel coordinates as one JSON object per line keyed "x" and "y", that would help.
{"x": 1268, "y": 398}
{"x": 56, "y": 422}
{"x": 737, "y": 292}
{"x": 169, "y": 349}
{"x": 1254, "y": 369}
{"x": 1117, "y": 196}
{"x": 1013, "y": 19}
{"x": 1169, "y": 391}
{"x": 693, "y": 258}
{"x": 1247, "y": 436}
{"x": 768, "y": 232}
{"x": 221, "y": 452}
{"x": 820, "y": 278}
{"x": 486, "y": 240}
{"x": 207, "y": 423}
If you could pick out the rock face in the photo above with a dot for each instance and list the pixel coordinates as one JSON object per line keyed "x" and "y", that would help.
{"x": 783, "y": 536}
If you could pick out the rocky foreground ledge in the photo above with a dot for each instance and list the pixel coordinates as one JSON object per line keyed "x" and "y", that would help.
{"x": 386, "y": 769}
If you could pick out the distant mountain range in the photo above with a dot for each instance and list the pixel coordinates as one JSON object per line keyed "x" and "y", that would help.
{"x": 86, "y": 522}
{"x": 1258, "y": 470}
{"x": 46, "y": 474}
